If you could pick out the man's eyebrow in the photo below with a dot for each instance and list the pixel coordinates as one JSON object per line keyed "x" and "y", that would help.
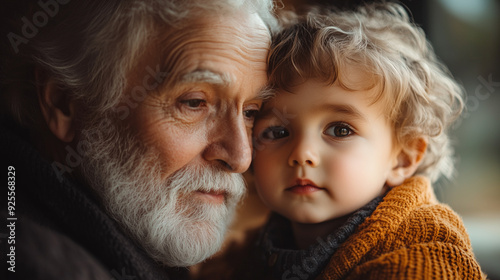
{"x": 344, "y": 109}
{"x": 220, "y": 79}
{"x": 206, "y": 76}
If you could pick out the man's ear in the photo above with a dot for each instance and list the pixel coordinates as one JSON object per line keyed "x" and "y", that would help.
{"x": 57, "y": 107}
{"x": 407, "y": 161}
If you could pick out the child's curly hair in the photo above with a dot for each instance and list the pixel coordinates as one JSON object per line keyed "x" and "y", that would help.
{"x": 421, "y": 96}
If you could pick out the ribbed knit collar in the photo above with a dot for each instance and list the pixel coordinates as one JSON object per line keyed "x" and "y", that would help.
{"x": 285, "y": 262}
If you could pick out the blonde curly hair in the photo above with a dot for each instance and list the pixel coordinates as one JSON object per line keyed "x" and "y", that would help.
{"x": 421, "y": 95}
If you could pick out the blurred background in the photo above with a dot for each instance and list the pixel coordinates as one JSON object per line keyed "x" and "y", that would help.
{"x": 466, "y": 37}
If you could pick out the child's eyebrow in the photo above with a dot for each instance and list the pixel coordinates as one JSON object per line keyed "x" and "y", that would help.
{"x": 344, "y": 109}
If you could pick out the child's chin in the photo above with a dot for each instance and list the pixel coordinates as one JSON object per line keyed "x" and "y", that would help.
{"x": 306, "y": 219}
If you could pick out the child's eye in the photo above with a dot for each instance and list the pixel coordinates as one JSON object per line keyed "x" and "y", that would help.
{"x": 274, "y": 132}
{"x": 339, "y": 130}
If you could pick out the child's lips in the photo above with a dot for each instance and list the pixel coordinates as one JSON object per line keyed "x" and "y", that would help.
{"x": 303, "y": 186}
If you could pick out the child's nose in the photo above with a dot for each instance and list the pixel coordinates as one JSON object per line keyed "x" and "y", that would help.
{"x": 304, "y": 154}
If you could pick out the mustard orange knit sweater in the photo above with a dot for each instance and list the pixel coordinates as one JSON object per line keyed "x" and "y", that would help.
{"x": 408, "y": 236}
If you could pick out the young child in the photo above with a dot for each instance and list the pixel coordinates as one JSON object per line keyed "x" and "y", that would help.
{"x": 346, "y": 152}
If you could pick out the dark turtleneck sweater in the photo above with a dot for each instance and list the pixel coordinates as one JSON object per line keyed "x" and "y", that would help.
{"x": 60, "y": 230}
{"x": 284, "y": 261}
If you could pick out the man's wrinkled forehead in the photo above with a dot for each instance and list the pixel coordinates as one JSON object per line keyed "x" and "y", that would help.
{"x": 247, "y": 33}
{"x": 195, "y": 52}
{"x": 186, "y": 54}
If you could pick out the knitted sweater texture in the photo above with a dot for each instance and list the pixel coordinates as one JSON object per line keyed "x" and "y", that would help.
{"x": 409, "y": 236}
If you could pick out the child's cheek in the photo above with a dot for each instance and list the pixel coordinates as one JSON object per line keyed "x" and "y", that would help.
{"x": 349, "y": 167}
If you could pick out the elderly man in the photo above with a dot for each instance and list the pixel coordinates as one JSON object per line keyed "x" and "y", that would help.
{"x": 125, "y": 127}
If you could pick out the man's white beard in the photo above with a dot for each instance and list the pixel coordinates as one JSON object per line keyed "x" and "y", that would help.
{"x": 174, "y": 226}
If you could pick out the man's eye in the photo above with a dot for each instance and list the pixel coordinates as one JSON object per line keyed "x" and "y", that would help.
{"x": 274, "y": 132}
{"x": 339, "y": 130}
{"x": 250, "y": 114}
{"x": 194, "y": 103}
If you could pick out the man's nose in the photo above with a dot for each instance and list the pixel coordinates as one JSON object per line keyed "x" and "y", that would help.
{"x": 230, "y": 146}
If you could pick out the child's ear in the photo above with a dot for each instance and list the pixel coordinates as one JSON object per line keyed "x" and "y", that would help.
{"x": 407, "y": 161}
{"x": 58, "y": 109}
